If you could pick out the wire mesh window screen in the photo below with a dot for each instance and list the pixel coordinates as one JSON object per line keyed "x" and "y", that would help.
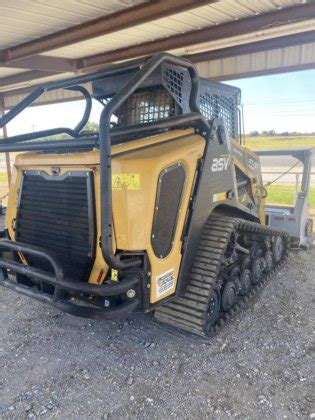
{"x": 145, "y": 107}
{"x": 174, "y": 80}
{"x": 219, "y": 106}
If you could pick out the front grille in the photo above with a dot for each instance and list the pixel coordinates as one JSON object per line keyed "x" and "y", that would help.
{"x": 56, "y": 213}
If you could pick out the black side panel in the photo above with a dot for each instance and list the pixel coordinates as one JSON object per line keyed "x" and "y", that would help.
{"x": 169, "y": 193}
{"x": 208, "y": 182}
{"x": 56, "y": 213}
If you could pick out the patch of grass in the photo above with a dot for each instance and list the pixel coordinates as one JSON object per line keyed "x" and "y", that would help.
{"x": 284, "y": 194}
{"x": 3, "y": 177}
{"x": 277, "y": 143}
{"x": 3, "y": 184}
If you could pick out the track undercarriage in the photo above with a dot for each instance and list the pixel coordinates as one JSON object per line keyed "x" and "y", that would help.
{"x": 235, "y": 259}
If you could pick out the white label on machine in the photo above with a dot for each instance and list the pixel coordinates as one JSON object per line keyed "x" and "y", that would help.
{"x": 165, "y": 282}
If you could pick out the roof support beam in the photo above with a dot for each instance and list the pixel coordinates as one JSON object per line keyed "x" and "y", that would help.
{"x": 233, "y": 51}
{"x": 26, "y": 76}
{"x": 213, "y": 33}
{"x": 105, "y": 25}
{"x": 5, "y": 135}
{"x": 11, "y": 93}
{"x": 253, "y": 47}
{"x": 44, "y": 62}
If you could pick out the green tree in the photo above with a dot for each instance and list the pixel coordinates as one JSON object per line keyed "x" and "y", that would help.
{"x": 91, "y": 126}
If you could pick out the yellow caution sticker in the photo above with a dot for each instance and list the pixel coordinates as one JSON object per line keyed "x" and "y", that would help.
{"x": 114, "y": 275}
{"x": 219, "y": 196}
{"x": 130, "y": 181}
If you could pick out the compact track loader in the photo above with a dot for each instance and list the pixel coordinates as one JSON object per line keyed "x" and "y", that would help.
{"x": 162, "y": 210}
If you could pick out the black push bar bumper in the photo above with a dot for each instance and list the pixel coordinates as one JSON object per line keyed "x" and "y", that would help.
{"x": 56, "y": 279}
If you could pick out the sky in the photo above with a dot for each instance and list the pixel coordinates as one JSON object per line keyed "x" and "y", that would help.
{"x": 283, "y": 102}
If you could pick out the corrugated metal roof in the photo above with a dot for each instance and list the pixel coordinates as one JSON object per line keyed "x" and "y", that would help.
{"x": 25, "y": 20}
{"x": 205, "y": 16}
{"x": 295, "y": 57}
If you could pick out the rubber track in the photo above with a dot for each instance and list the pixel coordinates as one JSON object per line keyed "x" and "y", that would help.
{"x": 190, "y": 312}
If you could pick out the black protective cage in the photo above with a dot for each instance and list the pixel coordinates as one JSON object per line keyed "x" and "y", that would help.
{"x": 190, "y": 102}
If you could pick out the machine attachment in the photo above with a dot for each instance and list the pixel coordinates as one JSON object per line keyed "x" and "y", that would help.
{"x": 295, "y": 220}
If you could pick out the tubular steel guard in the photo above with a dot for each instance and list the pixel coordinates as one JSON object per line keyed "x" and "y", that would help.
{"x": 57, "y": 280}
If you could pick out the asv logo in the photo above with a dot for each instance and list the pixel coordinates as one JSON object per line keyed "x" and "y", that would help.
{"x": 220, "y": 164}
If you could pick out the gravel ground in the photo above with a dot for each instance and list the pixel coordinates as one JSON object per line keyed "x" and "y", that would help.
{"x": 56, "y": 366}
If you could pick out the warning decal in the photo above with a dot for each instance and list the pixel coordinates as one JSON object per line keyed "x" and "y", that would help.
{"x": 114, "y": 275}
{"x": 165, "y": 282}
{"x": 129, "y": 181}
{"x": 219, "y": 196}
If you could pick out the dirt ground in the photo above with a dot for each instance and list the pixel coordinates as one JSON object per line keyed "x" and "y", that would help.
{"x": 56, "y": 366}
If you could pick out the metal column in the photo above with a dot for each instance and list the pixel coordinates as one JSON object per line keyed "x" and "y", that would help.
{"x": 5, "y": 135}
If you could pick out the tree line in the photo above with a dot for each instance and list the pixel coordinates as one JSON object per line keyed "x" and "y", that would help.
{"x": 273, "y": 133}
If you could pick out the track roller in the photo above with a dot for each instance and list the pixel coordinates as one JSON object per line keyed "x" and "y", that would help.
{"x": 214, "y": 307}
{"x": 256, "y": 270}
{"x": 277, "y": 248}
{"x": 268, "y": 261}
{"x": 229, "y": 294}
{"x": 246, "y": 281}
